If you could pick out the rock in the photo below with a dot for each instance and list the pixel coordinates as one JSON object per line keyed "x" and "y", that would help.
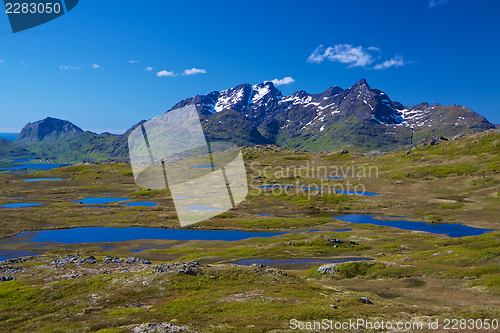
{"x": 161, "y": 328}
{"x": 334, "y": 241}
{"x": 146, "y": 262}
{"x": 327, "y": 268}
{"x": 365, "y": 300}
{"x": 132, "y": 260}
{"x": 112, "y": 260}
{"x": 189, "y": 269}
{"x": 69, "y": 259}
{"x": 89, "y": 260}
{"x": 6, "y": 278}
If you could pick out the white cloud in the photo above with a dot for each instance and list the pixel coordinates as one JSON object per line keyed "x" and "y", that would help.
{"x": 1, "y": 61}
{"x": 397, "y": 61}
{"x": 69, "y": 67}
{"x": 343, "y": 53}
{"x": 149, "y": 68}
{"x": 373, "y": 48}
{"x": 285, "y": 80}
{"x": 165, "y": 73}
{"x": 194, "y": 71}
{"x": 133, "y": 61}
{"x": 94, "y": 66}
{"x": 435, "y": 3}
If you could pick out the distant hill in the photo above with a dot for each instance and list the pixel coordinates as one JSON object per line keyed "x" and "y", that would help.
{"x": 61, "y": 140}
{"x": 359, "y": 118}
{"x": 10, "y": 150}
{"x": 48, "y": 129}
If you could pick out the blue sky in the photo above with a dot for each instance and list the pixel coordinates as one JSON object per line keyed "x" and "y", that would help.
{"x": 90, "y": 65}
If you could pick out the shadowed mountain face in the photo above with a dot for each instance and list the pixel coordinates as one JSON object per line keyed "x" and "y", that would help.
{"x": 49, "y": 129}
{"x": 359, "y": 118}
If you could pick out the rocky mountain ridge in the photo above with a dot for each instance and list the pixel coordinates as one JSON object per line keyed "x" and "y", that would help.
{"x": 359, "y": 118}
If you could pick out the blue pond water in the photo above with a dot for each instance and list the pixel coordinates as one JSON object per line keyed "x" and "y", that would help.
{"x": 100, "y": 235}
{"x": 452, "y": 230}
{"x": 4, "y": 255}
{"x": 335, "y": 178}
{"x": 42, "y": 180}
{"x": 47, "y": 166}
{"x": 248, "y": 262}
{"x": 203, "y": 208}
{"x": 21, "y": 205}
{"x": 100, "y": 201}
{"x": 204, "y": 166}
{"x": 140, "y": 204}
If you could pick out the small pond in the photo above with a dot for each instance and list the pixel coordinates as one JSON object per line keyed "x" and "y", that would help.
{"x": 102, "y": 235}
{"x": 43, "y": 180}
{"x": 452, "y": 230}
{"x": 21, "y": 205}
{"x": 100, "y": 201}
{"x": 4, "y": 255}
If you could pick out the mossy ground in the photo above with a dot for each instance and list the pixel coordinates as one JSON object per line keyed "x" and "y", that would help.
{"x": 414, "y": 275}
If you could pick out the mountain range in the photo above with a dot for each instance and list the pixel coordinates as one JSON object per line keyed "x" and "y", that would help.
{"x": 359, "y": 118}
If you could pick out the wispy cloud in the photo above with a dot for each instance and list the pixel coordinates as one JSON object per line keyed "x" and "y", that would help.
{"x": 355, "y": 56}
{"x": 133, "y": 61}
{"x": 194, "y": 71}
{"x": 373, "y": 48}
{"x": 149, "y": 68}
{"x": 69, "y": 67}
{"x": 94, "y": 66}
{"x": 165, "y": 73}
{"x": 343, "y": 53}
{"x": 283, "y": 81}
{"x": 435, "y": 3}
{"x": 397, "y": 61}
{"x": 1, "y": 61}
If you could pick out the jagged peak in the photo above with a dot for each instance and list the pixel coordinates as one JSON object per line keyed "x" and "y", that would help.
{"x": 332, "y": 91}
{"x": 362, "y": 82}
